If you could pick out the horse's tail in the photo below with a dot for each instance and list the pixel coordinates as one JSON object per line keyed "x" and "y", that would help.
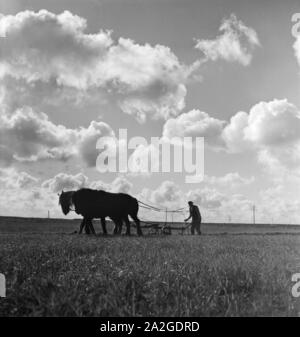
{"x": 134, "y": 215}
{"x": 134, "y": 209}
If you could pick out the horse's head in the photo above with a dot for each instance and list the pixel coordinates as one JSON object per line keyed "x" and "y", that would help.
{"x": 65, "y": 201}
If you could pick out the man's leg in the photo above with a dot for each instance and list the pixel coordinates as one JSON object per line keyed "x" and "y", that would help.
{"x": 198, "y": 228}
{"x": 192, "y": 228}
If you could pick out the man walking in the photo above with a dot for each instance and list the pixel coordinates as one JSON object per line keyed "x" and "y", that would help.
{"x": 196, "y": 218}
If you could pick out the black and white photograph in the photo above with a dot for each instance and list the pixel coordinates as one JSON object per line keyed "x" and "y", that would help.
{"x": 149, "y": 161}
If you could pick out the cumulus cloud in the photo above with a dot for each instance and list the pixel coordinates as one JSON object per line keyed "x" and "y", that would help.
{"x": 268, "y": 124}
{"x": 221, "y": 207}
{"x": 22, "y": 195}
{"x": 47, "y": 47}
{"x": 29, "y": 202}
{"x": 207, "y": 198}
{"x": 272, "y": 129}
{"x": 236, "y": 43}
{"x": 274, "y": 123}
{"x": 229, "y": 180}
{"x": 64, "y": 182}
{"x": 233, "y": 133}
{"x": 87, "y": 140}
{"x": 121, "y": 185}
{"x": 195, "y": 123}
{"x": 274, "y": 207}
{"x": 214, "y": 204}
{"x": 11, "y": 178}
{"x": 42, "y": 45}
{"x": 28, "y": 135}
{"x": 167, "y": 194}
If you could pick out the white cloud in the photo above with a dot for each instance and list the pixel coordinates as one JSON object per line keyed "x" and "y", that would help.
{"x": 229, "y": 180}
{"x": 233, "y": 133}
{"x": 268, "y": 125}
{"x": 272, "y": 129}
{"x": 47, "y": 47}
{"x": 29, "y": 202}
{"x": 221, "y": 207}
{"x": 63, "y": 182}
{"x": 168, "y": 194}
{"x": 11, "y": 178}
{"x": 236, "y": 43}
{"x": 42, "y": 45}
{"x": 214, "y": 205}
{"x": 121, "y": 185}
{"x": 274, "y": 208}
{"x": 87, "y": 140}
{"x": 195, "y": 123}
{"x": 27, "y": 135}
{"x": 206, "y": 197}
{"x": 274, "y": 123}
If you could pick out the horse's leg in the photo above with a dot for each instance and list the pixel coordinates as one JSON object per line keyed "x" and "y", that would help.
{"x": 87, "y": 227}
{"x": 118, "y": 226}
{"x": 115, "y": 220}
{"x": 91, "y": 227}
{"x": 127, "y": 222}
{"x": 81, "y": 226}
{"x": 138, "y": 224}
{"x": 103, "y": 223}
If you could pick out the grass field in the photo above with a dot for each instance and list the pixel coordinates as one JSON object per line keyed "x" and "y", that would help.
{"x": 51, "y": 272}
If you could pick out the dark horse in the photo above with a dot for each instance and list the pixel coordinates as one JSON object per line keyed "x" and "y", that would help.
{"x": 94, "y": 204}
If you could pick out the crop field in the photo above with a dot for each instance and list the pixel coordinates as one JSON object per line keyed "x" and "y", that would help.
{"x": 231, "y": 270}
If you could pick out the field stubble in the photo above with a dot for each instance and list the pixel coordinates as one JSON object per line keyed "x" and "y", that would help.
{"x": 56, "y": 274}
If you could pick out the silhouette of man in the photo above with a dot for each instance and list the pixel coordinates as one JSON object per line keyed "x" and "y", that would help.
{"x": 196, "y": 218}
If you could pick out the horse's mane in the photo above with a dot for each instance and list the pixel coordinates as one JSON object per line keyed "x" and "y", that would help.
{"x": 65, "y": 197}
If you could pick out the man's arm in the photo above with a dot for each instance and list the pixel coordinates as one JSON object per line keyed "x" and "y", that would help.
{"x": 187, "y": 219}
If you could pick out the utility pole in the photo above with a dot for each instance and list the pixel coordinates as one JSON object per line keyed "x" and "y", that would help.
{"x": 48, "y": 214}
{"x": 253, "y": 211}
{"x": 166, "y": 216}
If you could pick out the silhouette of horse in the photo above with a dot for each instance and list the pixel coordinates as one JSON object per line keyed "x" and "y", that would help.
{"x": 94, "y": 204}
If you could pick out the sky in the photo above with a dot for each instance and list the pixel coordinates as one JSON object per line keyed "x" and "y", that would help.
{"x": 72, "y": 71}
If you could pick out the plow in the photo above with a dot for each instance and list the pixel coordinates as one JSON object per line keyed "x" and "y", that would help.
{"x": 166, "y": 227}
